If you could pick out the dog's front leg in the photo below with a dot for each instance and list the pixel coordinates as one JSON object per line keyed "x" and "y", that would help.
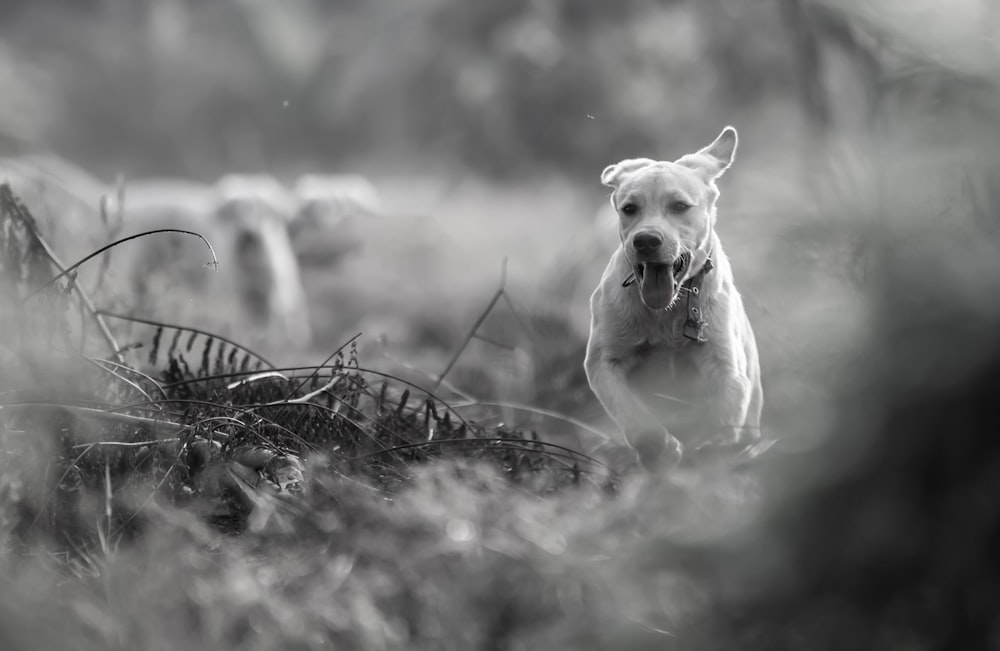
{"x": 734, "y": 393}
{"x": 729, "y": 426}
{"x": 607, "y": 376}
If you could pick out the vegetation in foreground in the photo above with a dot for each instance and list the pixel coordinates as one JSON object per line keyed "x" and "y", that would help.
{"x": 211, "y": 501}
{"x": 219, "y": 513}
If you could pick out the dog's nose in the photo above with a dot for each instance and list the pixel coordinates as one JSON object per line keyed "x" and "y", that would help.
{"x": 647, "y": 242}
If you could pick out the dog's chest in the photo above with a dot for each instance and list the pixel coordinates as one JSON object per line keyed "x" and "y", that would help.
{"x": 672, "y": 383}
{"x": 671, "y": 365}
{"x": 666, "y": 331}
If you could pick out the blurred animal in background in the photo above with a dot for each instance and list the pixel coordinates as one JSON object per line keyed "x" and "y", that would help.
{"x": 256, "y": 212}
{"x": 356, "y": 264}
{"x": 331, "y": 215}
{"x": 255, "y": 293}
{"x": 671, "y": 355}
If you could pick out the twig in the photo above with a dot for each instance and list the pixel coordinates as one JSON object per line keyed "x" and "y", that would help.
{"x": 8, "y": 197}
{"x": 517, "y": 317}
{"x": 540, "y": 411}
{"x": 108, "y": 513}
{"x": 128, "y": 444}
{"x": 113, "y": 230}
{"x": 360, "y": 369}
{"x": 494, "y": 342}
{"x": 102, "y": 414}
{"x": 326, "y": 388}
{"x": 242, "y": 409}
{"x": 75, "y": 266}
{"x": 335, "y": 413}
{"x": 265, "y": 375}
{"x": 214, "y": 435}
{"x": 479, "y": 322}
{"x": 115, "y": 374}
{"x": 321, "y": 366}
{"x": 129, "y": 369}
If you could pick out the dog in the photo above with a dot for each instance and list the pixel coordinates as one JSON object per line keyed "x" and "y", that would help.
{"x": 255, "y": 211}
{"x": 255, "y": 289}
{"x": 671, "y": 354}
{"x": 332, "y": 213}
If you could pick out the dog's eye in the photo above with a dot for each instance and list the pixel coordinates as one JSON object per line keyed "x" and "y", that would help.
{"x": 679, "y": 206}
{"x": 629, "y": 209}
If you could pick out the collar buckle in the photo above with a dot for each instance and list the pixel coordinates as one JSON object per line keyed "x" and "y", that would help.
{"x": 694, "y": 323}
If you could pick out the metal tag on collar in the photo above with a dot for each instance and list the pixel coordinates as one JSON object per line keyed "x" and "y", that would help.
{"x": 694, "y": 324}
{"x": 694, "y": 329}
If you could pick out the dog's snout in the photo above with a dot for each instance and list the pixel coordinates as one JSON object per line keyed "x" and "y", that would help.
{"x": 647, "y": 242}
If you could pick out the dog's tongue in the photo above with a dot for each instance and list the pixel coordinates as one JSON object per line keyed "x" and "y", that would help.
{"x": 656, "y": 286}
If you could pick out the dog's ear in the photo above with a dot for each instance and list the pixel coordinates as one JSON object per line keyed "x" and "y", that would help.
{"x": 612, "y": 174}
{"x": 714, "y": 159}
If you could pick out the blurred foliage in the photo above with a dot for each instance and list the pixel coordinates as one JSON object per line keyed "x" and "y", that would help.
{"x": 874, "y": 527}
{"x": 513, "y": 88}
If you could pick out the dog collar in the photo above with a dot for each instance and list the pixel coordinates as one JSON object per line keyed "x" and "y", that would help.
{"x": 694, "y": 323}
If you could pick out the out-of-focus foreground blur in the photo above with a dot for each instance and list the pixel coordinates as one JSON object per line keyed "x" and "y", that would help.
{"x": 379, "y": 167}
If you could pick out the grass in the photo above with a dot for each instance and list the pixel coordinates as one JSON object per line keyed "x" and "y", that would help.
{"x": 203, "y": 495}
{"x": 215, "y": 459}
{"x": 205, "y": 399}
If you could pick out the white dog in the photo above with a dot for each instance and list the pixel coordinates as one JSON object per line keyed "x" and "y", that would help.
{"x": 257, "y": 290}
{"x": 331, "y": 217}
{"x": 255, "y": 211}
{"x": 671, "y": 354}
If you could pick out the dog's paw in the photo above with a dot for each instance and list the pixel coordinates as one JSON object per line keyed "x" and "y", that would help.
{"x": 656, "y": 449}
{"x": 726, "y": 446}
{"x": 619, "y": 458}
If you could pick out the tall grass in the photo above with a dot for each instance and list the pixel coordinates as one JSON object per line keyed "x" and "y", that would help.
{"x": 391, "y": 536}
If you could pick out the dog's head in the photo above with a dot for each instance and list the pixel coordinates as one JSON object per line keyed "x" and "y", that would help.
{"x": 667, "y": 214}
{"x": 252, "y": 213}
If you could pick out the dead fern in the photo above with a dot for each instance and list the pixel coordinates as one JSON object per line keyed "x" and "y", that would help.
{"x": 190, "y": 418}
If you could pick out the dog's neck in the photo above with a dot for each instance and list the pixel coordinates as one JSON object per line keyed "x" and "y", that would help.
{"x": 694, "y": 321}
{"x": 696, "y": 290}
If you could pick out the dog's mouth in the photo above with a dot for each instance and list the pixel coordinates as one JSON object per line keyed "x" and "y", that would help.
{"x": 659, "y": 282}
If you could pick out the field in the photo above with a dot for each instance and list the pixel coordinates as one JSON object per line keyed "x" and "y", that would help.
{"x": 427, "y": 471}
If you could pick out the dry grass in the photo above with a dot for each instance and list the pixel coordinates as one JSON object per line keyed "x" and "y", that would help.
{"x": 129, "y": 521}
